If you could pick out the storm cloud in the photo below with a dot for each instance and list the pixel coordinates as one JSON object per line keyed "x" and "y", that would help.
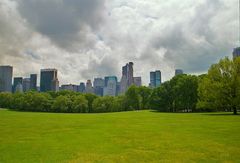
{"x": 84, "y": 39}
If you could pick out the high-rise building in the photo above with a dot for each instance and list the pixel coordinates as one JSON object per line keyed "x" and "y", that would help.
{"x": 6, "y": 73}
{"x": 89, "y": 87}
{"x": 178, "y": 72}
{"x": 137, "y": 81}
{"x": 236, "y": 52}
{"x": 82, "y": 88}
{"x": 118, "y": 88}
{"x": 155, "y": 79}
{"x": 110, "y": 88}
{"x": 70, "y": 87}
{"x": 19, "y": 88}
{"x": 26, "y": 84}
{"x": 17, "y": 83}
{"x": 127, "y": 77}
{"x": 33, "y": 82}
{"x": 98, "y": 85}
{"x": 49, "y": 80}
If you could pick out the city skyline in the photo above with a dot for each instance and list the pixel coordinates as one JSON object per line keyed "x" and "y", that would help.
{"x": 160, "y": 35}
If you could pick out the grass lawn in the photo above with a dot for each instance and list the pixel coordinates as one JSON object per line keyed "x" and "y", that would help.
{"x": 141, "y": 136}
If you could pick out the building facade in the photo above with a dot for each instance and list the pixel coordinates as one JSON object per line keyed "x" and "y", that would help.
{"x": 110, "y": 88}
{"x": 127, "y": 77}
{"x": 26, "y": 84}
{"x": 137, "y": 81}
{"x": 155, "y": 79}
{"x": 17, "y": 84}
{"x": 33, "y": 82}
{"x": 49, "y": 80}
{"x": 236, "y": 52}
{"x": 6, "y": 73}
{"x": 89, "y": 87}
{"x": 178, "y": 72}
{"x": 70, "y": 87}
{"x": 82, "y": 88}
{"x": 98, "y": 85}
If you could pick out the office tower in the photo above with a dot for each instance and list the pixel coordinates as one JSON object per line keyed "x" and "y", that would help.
{"x": 98, "y": 85}
{"x": 137, "y": 81}
{"x": 49, "y": 80}
{"x": 155, "y": 79}
{"x": 33, "y": 82}
{"x": 118, "y": 88}
{"x": 178, "y": 72}
{"x": 17, "y": 84}
{"x": 89, "y": 87}
{"x": 70, "y": 87}
{"x": 110, "y": 88}
{"x": 82, "y": 88}
{"x": 127, "y": 77}
{"x": 6, "y": 73}
{"x": 236, "y": 52}
{"x": 19, "y": 88}
{"x": 26, "y": 84}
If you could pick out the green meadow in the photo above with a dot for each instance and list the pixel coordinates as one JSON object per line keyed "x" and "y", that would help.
{"x": 138, "y": 136}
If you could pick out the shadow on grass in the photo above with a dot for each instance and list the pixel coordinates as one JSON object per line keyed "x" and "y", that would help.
{"x": 202, "y": 113}
{"x": 221, "y": 114}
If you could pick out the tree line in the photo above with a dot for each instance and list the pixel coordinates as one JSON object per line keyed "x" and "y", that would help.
{"x": 218, "y": 90}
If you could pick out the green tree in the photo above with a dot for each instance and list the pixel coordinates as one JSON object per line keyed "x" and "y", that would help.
{"x": 185, "y": 92}
{"x": 145, "y": 93}
{"x": 90, "y": 98}
{"x": 103, "y": 104}
{"x": 119, "y": 104}
{"x": 62, "y": 104}
{"x": 220, "y": 88}
{"x": 80, "y": 104}
{"x": 162, "y": 98}
{"x": 5, "y": 100}
{"x": 133, "y": 98}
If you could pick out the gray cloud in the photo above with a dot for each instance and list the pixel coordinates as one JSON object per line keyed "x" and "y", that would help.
{"x": 84, "y": 39}
{"x": 65, "y": 22}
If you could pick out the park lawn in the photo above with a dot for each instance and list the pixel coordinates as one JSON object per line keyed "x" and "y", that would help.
{"x": 138, "y": 136}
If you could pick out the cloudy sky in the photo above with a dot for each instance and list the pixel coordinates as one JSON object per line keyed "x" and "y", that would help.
{"x": 84, "y": 39}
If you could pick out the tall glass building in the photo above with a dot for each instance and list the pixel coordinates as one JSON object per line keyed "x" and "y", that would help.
{"x": 26, "y": 84}
{"x": 16, "y": 82}
{"x": 178, "y": 72}
{"x": 155, "y": 78}
{"x": 82, "y": 88}
{"x": 33, "y": 82}
{"x": 6, "y": 73}
{"x": 98, "y": 85}
{"x": 110, "y": 88}
{"x": 236, "y": 52}
{"x": 49, "y": 80}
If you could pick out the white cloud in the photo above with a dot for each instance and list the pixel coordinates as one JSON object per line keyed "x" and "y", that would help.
{"x": 86, "y": 39}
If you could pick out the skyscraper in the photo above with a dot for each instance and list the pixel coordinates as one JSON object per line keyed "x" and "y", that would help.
{"x": 49, "y": 80}
{"x": 137, "y": 81}
{"x": 33, "y": 82}
{"x": 178, "y": 72}
{"x": 89, "y": 87}
{"x": 82, "y": 88}
{"x": 26, "y": 84}
{"x": 127, "y": 77}
{"x": 155, "y": 79}
{"x": 236, "y": 52}
{"x": 110, "y": 88}
{"x": 17, "y": 81}
{"x": 6, "y": 73}
{"x": 98, "y": 85}
{"x": 70, "y": 87}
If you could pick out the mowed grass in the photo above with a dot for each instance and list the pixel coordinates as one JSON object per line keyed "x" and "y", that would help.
{"x": 140, "y": 136}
